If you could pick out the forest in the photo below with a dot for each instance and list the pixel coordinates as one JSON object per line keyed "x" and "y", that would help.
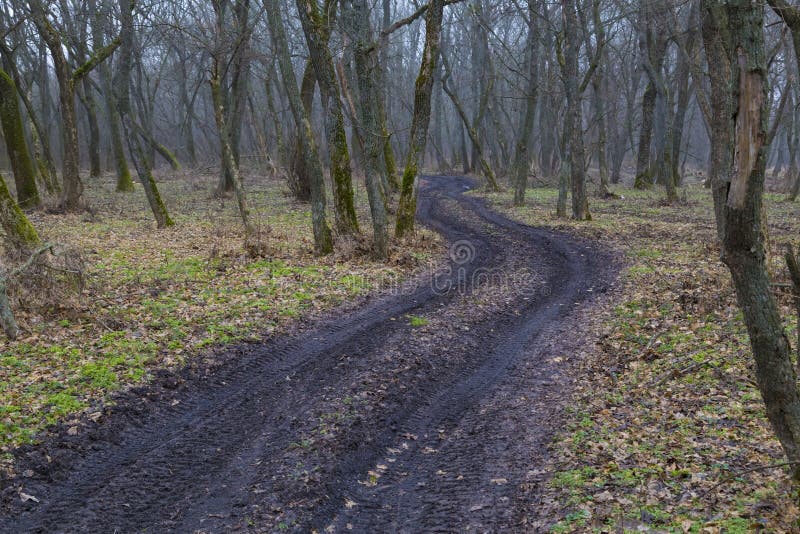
{"x": 399, "y": 266}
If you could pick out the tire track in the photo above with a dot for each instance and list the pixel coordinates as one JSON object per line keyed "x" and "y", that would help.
{"x": 216, "y": 455}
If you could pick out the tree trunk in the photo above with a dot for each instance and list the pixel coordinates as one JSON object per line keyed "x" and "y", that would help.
{"x": 19, "y": 231}
{"x": 522, "y": 158}
{"x": 17, "y": 148}
{"x": 491, "y": 181}
{"x": 124, "y": 179}
{"x": 652, "y": 45}
{"x": 733, "y": 34}
{"x": 89, "y": 103}
{"x": 122, "y": 83}
{"x": 228, "y": 161}
{"x": 73, "y": 187}
{"x": 323, "y": 242}
{"x": 420, "y": 119}
{"x": 371, "y": 132}
{"x": 580, "y": 204}
{"x": 317, "y": 32}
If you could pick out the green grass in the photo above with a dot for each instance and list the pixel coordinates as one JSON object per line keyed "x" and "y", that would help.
{"x": 154, "y": 298}
{"x": 417, "y": 321}
{"x": 671, "y": 407}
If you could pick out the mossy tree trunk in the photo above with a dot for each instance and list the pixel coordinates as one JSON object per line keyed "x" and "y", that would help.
{"x": 228, "y": 160}
{"x": 366, "y": 66}
{"x": 124, "y": 179}
{"x": 42, "y": 155}
{"x": 316, "y": 26}
{"x": 17, "y": 148}
{"x": 230, "y": 166}
{"x": 70, "y": 173}
{"x": 420, "y": 119}
{"x": 67, "y": 80}
{"x": 733, "y": 34}
{"x": 234, "y": 94}
{"x": 122, "y": 84}
{"x": 19, "y": 230}
{"x": 323, "y": 241}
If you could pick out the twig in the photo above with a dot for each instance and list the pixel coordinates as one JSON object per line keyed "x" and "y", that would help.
{"x": 7, "y": 319}
{"x": 653, "y": 339}
{"x": 744, "y": 472}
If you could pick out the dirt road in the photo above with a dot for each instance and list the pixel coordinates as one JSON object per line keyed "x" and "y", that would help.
{"x": 426, "y": 409}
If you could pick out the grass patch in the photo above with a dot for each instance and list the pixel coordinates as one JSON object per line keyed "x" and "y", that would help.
{"x": 672, "y": 407}
{"x": 416, "y": 320}
{"x": 155, "y": 297}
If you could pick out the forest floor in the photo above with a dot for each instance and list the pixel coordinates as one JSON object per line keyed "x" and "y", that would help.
{"x": 153, "y": 298}
{"x": 666, "y": 422}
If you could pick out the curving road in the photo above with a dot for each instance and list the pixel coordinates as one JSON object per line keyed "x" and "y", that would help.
{"x": 360, "y": 422}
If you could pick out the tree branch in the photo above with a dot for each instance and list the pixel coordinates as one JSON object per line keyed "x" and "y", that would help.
{"x": 98, "y": 57}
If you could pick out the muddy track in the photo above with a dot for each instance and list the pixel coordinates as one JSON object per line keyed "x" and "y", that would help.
{"x": 357, "y": 422}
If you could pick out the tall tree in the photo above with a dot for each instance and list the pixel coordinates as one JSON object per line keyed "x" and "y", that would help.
{"x": 652, "y": 49}
{"x": 522, "y": 158}
{"x": 229, "y": 164}
{"x": 323, "y": 242}
{"x": 133, "y": 133}
{"x": 124, "y": 179}
{"x": 580, "y": 203}
{"x": 316, "y": 26}
{"x": 16, "y": 146}
{"x": 371, "y": 133}
{"x": 67, "y": 81}
{"x": 733, "y": 34}
{"x": 420, "y": 119}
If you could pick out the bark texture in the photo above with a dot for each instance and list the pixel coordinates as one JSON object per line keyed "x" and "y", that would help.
{"x": 316, "y": 26}
{"x": 733, "y": 35}
{"x": 323, "y": 242}
{"x": 420, "y": 120}
{"x": 16, "y": 146}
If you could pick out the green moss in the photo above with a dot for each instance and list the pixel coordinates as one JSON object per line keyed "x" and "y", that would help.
{"x": 17, "y": 226}
{"x": 16, "y": 146}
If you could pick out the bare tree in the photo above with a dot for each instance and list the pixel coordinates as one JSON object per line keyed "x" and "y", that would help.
{"x": 733, "y": 35}
{"x": 420, "y": 120}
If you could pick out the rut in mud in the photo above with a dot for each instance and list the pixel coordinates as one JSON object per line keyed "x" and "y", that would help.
{"x": 359, "y": 422}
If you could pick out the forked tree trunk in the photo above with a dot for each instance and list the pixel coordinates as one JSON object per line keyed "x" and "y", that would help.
{"x": 67, "y": 80}
{"x": 733, "y": 34}
{"x": 323, "y": 242}
{"x": 317, "y": 32}
{"x": 124, "y": 179}
{"x": 70, "y": 174}
{"x": 228, "y": 160}
{"x": 122, "y": 84}
{"x": 230, "y": 167}
{"x": 371, "y": 132}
